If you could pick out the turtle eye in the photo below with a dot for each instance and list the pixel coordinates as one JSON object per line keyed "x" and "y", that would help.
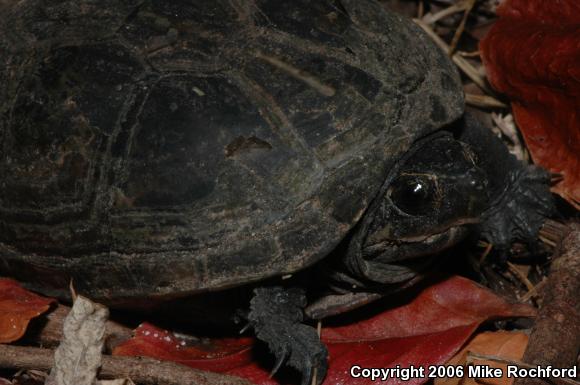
{"x": 414, "y": 195}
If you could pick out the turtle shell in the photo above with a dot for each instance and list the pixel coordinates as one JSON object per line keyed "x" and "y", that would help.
{"x": 165, "y": 148}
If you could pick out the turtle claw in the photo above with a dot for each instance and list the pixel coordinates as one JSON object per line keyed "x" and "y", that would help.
{"x": 280, "y": 358}
{"x": 307, "y": 375}
{"x": 276, "y": 315}
{"x": 315, "y": 365}
{"x": 245, "y": 327}
{"x": 314, "y": 369}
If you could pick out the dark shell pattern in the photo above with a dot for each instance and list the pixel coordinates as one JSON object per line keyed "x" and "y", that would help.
{"x": 163, "y": 148}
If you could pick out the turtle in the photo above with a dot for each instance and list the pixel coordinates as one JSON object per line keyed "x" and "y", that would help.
{"x": 153, "y": 150}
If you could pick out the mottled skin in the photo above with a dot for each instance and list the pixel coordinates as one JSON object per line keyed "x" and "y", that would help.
{"x": 151, "y": 150}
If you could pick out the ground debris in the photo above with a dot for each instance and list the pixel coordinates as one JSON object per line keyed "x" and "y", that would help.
{"x": 78, "y": 357}
{"x": 555, "y": 338}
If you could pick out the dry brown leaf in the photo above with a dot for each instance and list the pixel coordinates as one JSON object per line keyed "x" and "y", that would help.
{"x": 508, "y": 345}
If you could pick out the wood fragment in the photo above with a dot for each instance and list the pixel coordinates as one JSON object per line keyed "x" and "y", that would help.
{"x": 534, "y": 292}
{"x": 431, "y": 18}
{"x": 141, "y": 370}
{"x": 554, "y": 231}
{"x": 420, "y": 10}
{"x": 459, "y": 61}
{"x": 459, "y": 31}
{"x": 469, "y": 54}
{"x": 483, "y": 101}
{"x": 555, "y": 338}
{"x": 315, "y": 372}
{"x": 521, "y": 277}
{"x": 47, "y": 330}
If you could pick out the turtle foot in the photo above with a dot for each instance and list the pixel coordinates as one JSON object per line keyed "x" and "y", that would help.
{"x": 521, "y": 209}
{"x": 276, "y": 315}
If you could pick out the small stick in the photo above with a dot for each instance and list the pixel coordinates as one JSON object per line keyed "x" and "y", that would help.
{"x": 459, "y": 61}
{"x": 469, "y": 54}
{"x": 523, "y": 279}
{"x": 420, "y": 9}
{"x": 555, "y": 337}
{"x": 547, "y": 241}
{"x": 431, "y": 18}
{"x": 484, "y": 101}
{"x": 534, "y": 291}
{"x": 47, "y": 331}
{"x": 554, "y": 231}
{"x": 468, "y": 7}
{"x": 315, "y": 372}
{"x": 139, "y": 369}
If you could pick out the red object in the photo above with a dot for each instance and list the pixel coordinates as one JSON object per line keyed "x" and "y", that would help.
{"x": 429, "y": 330}
{"x": 17, "y": 307}
{"x": 532, "y": 54}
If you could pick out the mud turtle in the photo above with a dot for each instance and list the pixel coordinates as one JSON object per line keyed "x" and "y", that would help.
{"x": 159, "y": 149}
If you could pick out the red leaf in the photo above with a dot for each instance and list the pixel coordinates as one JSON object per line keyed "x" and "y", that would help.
{"x": 17, "y": 307}
{"x": 428, "y": 330}
{"x": 532, "y": 54}
{"x": 219, "y": 356}
{"x": 449, "y": 304}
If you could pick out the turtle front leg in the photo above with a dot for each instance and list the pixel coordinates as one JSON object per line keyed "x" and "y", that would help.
{"x": 276, "y": 314}
{"x": 520, "y": 195}
{"x": 521, "y": 209}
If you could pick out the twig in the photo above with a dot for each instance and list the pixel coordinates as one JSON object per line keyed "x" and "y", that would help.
{"x": 534, "y": 291}
{"x": 139, "y": 369}
{"x": 315, "y": 371}
{"x": 547, "y": 241}
{"x": 459, "y": 61}
{"x": 459, "y": 31}
{"x": 420, "y": 9}
{"x": 47, "y": 331}
{"x": 431, "y": 18}
{"x": 523, "y": 279}
{"x": 484, "y": 101}
{"x": 554, "y": 231}
{"x": 555, "y": 337}
{"x": 469, "y": 54}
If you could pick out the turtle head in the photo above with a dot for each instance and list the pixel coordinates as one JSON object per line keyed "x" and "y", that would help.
{"x": 436, "y": 191}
